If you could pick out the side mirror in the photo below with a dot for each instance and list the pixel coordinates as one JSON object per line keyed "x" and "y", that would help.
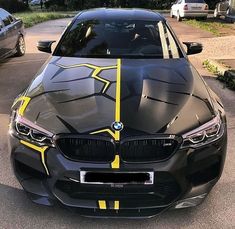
{"x": 193, "y": 47}
{"x": 45, "y": 46}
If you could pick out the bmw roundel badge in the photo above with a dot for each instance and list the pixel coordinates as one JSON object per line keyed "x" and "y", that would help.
{"x": 117, "y": 126}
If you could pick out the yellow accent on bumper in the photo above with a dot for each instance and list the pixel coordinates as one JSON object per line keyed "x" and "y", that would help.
{"x": 116, "y": 205}
{"x": 102, "y": 204}
{"x": 116, "y": 163}
{"x": 24, "y": 103}
{"x": 41, "y": 150}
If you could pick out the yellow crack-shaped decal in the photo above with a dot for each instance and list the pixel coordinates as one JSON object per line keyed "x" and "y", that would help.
{"x": 95, "y": 73}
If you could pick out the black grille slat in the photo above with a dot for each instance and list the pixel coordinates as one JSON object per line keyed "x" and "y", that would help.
{"x": 147, "y": 150}
{"x": 96, "y": 149}
{"x": 87, "y": 149}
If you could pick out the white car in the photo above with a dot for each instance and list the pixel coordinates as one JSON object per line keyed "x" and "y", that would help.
{"x": 189, "y": 9}
{"x": 35, "y": 2}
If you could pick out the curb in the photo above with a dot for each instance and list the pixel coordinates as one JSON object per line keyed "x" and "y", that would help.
{"x": 225, "y": 73}
{"x": 220, "y": 69}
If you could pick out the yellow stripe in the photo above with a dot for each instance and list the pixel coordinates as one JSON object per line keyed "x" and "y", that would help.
{"x": 118, "y": 97}
{"x": 102, "y": 204}
{"x": 41, "y": 150}
{"x": 105, "y": 130}
{"x": 24, "y": 103}
{"x": 116, "y": 163}
{"x": 116, "y": 204}
{"x": 116, "y": 134}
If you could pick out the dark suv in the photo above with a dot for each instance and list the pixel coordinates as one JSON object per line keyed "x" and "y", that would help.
{"x": 11, "y": 35}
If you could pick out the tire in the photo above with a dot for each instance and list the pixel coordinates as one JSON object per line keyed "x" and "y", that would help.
{"x": 171, "y": 14}
{"x": 178, "y": 17}
{"x": 20, "y": 46}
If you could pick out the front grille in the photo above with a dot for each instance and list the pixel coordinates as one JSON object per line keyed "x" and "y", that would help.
{"x": 101, "y": 149}
{"x": 147, "y": 150}
{"x": 87, "y": 149}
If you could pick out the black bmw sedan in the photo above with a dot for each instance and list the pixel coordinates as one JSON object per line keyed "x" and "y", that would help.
{"x": 118, "y": 123}
{"x": 11, "y": 35}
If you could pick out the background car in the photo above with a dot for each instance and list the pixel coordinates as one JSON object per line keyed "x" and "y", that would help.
{"x": 118, "y": 123}
{"x": 189, "y": 9}
{"x": 221, "y": 8}
{"x": 34, "y": 2}
{"x": 11, "y": 35}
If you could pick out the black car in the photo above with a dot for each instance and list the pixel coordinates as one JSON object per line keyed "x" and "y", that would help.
{"x": 118, "y": 123}
{"x": 11, "y": 35}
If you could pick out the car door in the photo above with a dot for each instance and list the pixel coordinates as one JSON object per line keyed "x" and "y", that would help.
{"x": 174, "y": 6}
{"x": 179, "y": 6}
{"x": 3, "y": 38}
{"x": 12, "y": 31}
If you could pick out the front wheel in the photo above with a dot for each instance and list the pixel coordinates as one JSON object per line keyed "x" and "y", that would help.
{"x": 20, "y": 47}
{"x": 178, "y": 17}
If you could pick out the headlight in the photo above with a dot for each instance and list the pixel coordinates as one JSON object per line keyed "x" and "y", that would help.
{"x": 29, "y": 131}
{"x": 205, "y": 134}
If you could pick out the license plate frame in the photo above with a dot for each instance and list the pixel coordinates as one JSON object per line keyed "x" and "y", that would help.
{"x": 147, "y": 182}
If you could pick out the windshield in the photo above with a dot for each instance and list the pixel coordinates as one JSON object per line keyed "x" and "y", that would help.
{"x": 118, "y": 38}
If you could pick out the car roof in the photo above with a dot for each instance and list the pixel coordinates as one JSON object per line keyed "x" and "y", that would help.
{"x": 120, "y": 13}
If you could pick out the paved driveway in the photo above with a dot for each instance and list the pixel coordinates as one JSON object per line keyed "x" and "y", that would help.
{"x": 16, "y": 211}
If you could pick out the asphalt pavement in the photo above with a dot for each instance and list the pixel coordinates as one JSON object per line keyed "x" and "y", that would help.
{"x": 17, "y": 211}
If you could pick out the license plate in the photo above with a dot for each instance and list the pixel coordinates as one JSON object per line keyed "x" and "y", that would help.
{"x": 112, "y": 178}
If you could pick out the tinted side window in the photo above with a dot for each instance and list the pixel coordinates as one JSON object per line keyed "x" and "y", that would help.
{"x": 11, "y": 18}
{"x": 4, "y": 15}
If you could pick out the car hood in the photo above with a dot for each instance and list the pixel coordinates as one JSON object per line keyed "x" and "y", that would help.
{"x": 149, "y": 96}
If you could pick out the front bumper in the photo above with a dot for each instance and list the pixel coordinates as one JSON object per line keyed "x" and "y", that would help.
{"x": 184, "y": 180}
